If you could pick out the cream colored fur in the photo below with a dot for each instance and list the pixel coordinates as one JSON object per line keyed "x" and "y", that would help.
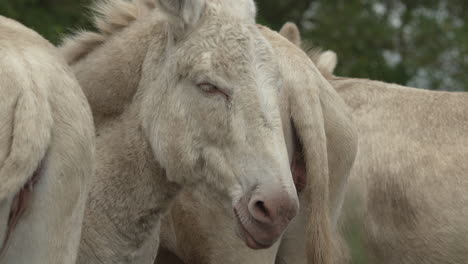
{"x": 157, "y": 132}
{"x": 44, "y": 120}
{"x": 305, "y": 97}
{"x": 410, "y": 180}
{"x": 199, "y": 231}
{"x": 407, "y": 189}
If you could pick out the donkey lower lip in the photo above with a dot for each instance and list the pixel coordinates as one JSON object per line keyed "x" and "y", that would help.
{"x": 247, "y": 237}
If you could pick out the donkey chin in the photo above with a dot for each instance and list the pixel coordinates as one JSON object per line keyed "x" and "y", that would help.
{"x": 263, "y": 215}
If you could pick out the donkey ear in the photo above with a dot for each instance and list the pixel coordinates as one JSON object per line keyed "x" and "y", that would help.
{"x": 291, "y": 32}
{"x": 327, "y": 62}
{"x": 329, "y": 144}
{"x": 189, "y": 11}
{"x": 328, "y": 136}
{"x": 308, "y": 121}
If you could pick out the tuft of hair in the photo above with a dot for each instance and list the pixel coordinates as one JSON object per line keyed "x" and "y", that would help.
{"x": 312, "y": 51}
{"x": 109, "y": 17}
{"x": 291, "y": 32}
{"x": 326, "y": 61}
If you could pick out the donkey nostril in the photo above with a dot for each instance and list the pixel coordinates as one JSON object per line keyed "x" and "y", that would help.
{"x": 262, "y": 208}
{"x": 274, "y": 209}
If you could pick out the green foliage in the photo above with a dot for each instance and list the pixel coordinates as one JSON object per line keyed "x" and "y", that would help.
{"x": 422, "y": 43}
{"x": 51, "y": 18}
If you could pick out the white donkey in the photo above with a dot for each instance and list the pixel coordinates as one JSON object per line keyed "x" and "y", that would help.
{"x": 408, "y": 189}
{"x": 184, "y": 93}
{"x": 196, "y": 216}
{"x": 46, "y": 151}
{"x": 406, "y": 200}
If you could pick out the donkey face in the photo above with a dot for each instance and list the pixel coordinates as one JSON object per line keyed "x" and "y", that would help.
{"x": 211, "y": 115}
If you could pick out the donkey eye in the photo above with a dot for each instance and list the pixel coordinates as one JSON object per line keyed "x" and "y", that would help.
{"x": 209, "y": 88}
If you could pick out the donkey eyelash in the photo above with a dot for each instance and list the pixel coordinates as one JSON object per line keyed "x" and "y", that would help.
{"x": 209, "y": 88}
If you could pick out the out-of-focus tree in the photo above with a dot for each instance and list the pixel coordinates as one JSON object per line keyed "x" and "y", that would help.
{"x": 51, "y": 18}
{"x": 422, "y": 43}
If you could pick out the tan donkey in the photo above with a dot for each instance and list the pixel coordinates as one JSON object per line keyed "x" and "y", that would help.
{"x": 407, "y": 188}
{"x": 196, "y": 217}
{"x": 184, "y": 96}
{"x": 46, "y": 151}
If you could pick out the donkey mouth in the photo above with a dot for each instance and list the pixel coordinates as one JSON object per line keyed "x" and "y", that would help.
{"x": 249, "y": 240}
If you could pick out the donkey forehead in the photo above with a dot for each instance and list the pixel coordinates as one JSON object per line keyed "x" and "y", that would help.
{"x": 232, "y": 50}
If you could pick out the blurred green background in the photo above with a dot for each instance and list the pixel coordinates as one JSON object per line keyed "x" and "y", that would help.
{"x": 421, "y": 43}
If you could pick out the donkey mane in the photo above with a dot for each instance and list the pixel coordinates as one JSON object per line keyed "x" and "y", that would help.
{"x": 312, "y": 51}
{"x": 109, "y": 17}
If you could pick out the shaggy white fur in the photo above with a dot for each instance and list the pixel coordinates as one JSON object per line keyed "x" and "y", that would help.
{"x": 183, "y": 94}
{"x": 318, "y": 130}
{"x": 407, "y": 189}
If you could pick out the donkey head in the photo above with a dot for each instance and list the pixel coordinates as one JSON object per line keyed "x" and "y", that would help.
{"x": 211, "y": 114}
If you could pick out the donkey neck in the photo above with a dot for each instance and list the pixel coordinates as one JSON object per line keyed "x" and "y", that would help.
{"x": 110, "y": 74}
{"x": 127, "y": 196}
{"x": 125, "y": 159}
